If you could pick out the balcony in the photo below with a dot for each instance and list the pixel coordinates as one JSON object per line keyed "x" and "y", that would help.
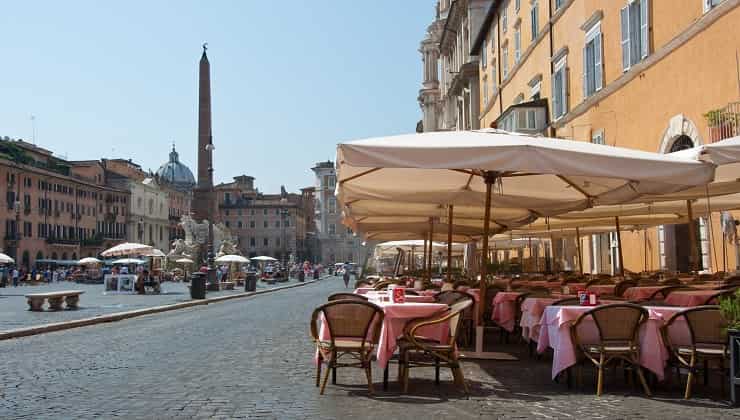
{"x": 59, "y": 241}
{"x": 723, "y": 122}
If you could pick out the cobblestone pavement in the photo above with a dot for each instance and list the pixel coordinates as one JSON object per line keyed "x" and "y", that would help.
{"x": 252, "y": 358}
{"x": 14, "y": 311}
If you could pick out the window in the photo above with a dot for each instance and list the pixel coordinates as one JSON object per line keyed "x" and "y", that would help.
{"x": 286, "y": 223}
{"x": 332, "y": 205}
{"x": 517, "y": 5}
{"x": 559, "y": 90}
{"x": 597, "y": 137}
{"x": 505, "y": 61}
{"x": 332, "y": 229}
{"x": 226, "y": 212}
{"x": 252, "y": 242}
{"x": 635, "y": 37}
{"x": 483, "y": 55}
{"x": 265, "y": 224}
{"x": 239, "y": 224}
{"x": 592, "y": 70}
{"x": 485, "y": 91}
{"x": 277, "y": 224}
{"x": 559, "y": 4}
{"x": 252, "y": 224}
{"x": 534, "y": 16}
{"x": 504, "y": 18}
{"x": 710, "y": 4}
{"x": 517, "y": 44}
{"x": 251, "y": 212}
{"x": 264, "y": 212}
{"x": 277, "y": 241}
{"x": 265, "y": 242}
{"x": 332, "y": 180}
{"x": 535, "y": 91}
{"x": 494, "y": 75}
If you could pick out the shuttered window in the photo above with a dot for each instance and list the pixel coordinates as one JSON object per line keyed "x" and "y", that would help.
{"x": 559, "y": 90}
{"x": 635, "y": 40}
{"x": 592, "y": 62}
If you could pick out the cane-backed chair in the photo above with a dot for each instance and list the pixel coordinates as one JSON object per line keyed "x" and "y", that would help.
{"x": 449, "y": 297}
{"x": 354, "y": 329}
{"x": 569, "y": 301}
{"x": 345, "y": 295}
{"x": 707, "y": 329}
{"x": 617, "y": 325}
{"x": 419, "y": 351}
{"x": 622, "y": 286}
{"x": 721, "y": 294}
{"x": 382, "y": 285}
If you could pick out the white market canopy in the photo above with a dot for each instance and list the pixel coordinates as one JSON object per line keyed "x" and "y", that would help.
{"x": 5, "y": 259}
{"x": 154, "y": 253}
{"x": 126, "y": 248}
{"x": 185, "y": 261}
{"x": 262, "y": 258}
{"x": 415, "y": 245}
{"x": 89, "y": 261}
{"x": 129, "y": 261}
{"x": 542, "y": 175}
{"x": 232, "y": 259}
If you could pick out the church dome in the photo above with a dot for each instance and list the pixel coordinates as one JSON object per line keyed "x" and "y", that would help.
{"x": 175, "y": 172}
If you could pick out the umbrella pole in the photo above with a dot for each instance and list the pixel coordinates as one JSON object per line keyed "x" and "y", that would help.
{"x": 578, "y": 248}
{"x": 411, "y": 262}
{"x": 424, "y": 258}
{"x": 644, "y": 245}
{"x": 431, "y": 247}
{"x": 449, "y": 245}
{"x": 490, "y": 178}
{"x": 724, "y": 251}
{"x": 619, "y": 245}
{"x": 694, "y": 257}
{"x": 531, "y": 256}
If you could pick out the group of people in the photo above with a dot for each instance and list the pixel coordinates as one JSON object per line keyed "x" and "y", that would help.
{"x": 13, "y": 275}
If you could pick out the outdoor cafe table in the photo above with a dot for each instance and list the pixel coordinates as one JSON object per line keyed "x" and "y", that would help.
{"x": 532, "y": 309}
{"x": 504, "y": 308}
{"x": 409, "y": 298}
{"x": 555, "y": 333}
{"x": 397, "y": 315}
{"x": 688, "y": 298}
{"x": 640, "y": 292}
{"x": 602, "y": 289}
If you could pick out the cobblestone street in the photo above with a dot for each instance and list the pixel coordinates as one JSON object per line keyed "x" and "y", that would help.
{"x": 252, "y": 357}
{"x": 14, "y": 311}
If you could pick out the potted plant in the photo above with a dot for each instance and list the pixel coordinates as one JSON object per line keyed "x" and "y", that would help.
{"x": 730, "y": 308}
{"x": 722, "y": 124}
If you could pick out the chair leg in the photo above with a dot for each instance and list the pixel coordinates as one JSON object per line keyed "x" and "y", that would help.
{"x": 334, "y": 375}
{"x": 459, "y": 378}
{"x": 706, "y": 372}
{"x": 318, "y": 373}
{"x": 690, "y": 379}
{"x": 385, "y": 378}
{"x": 406, "y": 372}
{"x": 369, "y": 375}
{"x": 642, "y": 380}
{"x": 600, "y": 380}
{"x": 436, "y": 371}
{"x": 326, "y": 379}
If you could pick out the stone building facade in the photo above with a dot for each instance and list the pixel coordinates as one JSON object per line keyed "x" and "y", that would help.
{"x": 265, "y": 224}
{"x": 56, "y": 209}
{"x": 337, "y": 243}
{"x": 645, "y": 74}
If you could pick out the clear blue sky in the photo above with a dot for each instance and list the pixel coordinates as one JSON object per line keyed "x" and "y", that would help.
{"x": 290, "y": 79}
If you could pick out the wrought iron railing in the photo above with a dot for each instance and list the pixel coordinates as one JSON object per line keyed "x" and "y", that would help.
{"x": 724, "y": 122}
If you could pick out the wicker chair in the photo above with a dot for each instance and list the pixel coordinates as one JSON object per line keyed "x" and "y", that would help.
{"x": 362, "y": 283}
{"x": 707, "y": 328}
{"x": 622, "y": 286}
{"x": 382, "y": 285}
{"x": 618, "y": 326}
{"x": 714, "y": 299}
{"x": 450, "y": 297}
{"x": 354, "y": 328}
{"x": 345, "y": 296}
{"x": 663, "y": 292}
{"x": 673, "y": 281}
{"x": 419, "y": 351}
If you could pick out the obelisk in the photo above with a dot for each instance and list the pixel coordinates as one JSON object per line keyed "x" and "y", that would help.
{"x": 202, "y": 202}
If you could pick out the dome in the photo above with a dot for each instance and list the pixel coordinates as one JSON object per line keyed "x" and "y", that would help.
{"x": 175, "y": 172}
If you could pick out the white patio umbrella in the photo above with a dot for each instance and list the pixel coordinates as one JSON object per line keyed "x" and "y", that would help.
{"x": 543, "y": 176}
{"x": 129, "y": 261}
{"x": 153, "y": 253}
{"x": 126, "y": 248}
{"x": 232, "y": 259}
{"x": 4, "y": 259}
{"x": 185, "y": 261}
{"x": 263, "y": 258}
{"x": 89, "y": 261}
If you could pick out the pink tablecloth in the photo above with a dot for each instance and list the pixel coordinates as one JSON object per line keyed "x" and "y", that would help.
{"x": 363, "y": 290}
{"x": 640, "y": 292}
{"x": 532, "y": 309}
{"x": 504, "y": 309}
{"x": 689, "y": 297}
{"x": 396, "y": 317}
{"x": 555, "y": 333}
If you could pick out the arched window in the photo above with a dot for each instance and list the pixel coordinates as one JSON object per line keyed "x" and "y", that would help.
{"x": 682, "y": 142}
{"x": 54, "y": 256}
{"x": 25, "y": 260}
{"x": 39, "y": 256}
{"x": 74, "y": 255}
{"x": 64, "y": 255}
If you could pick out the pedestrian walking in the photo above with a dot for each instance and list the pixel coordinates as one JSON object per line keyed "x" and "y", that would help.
{"x": 15, "y": 276}
{"x": 345, "y": 277}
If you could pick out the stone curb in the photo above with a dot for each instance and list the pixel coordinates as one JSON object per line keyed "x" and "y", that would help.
{"x": 118, "y": 316}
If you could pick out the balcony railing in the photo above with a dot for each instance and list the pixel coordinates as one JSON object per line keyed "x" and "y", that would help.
{"x": 60, "y": 241}
{"x": 724, "y": 122}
